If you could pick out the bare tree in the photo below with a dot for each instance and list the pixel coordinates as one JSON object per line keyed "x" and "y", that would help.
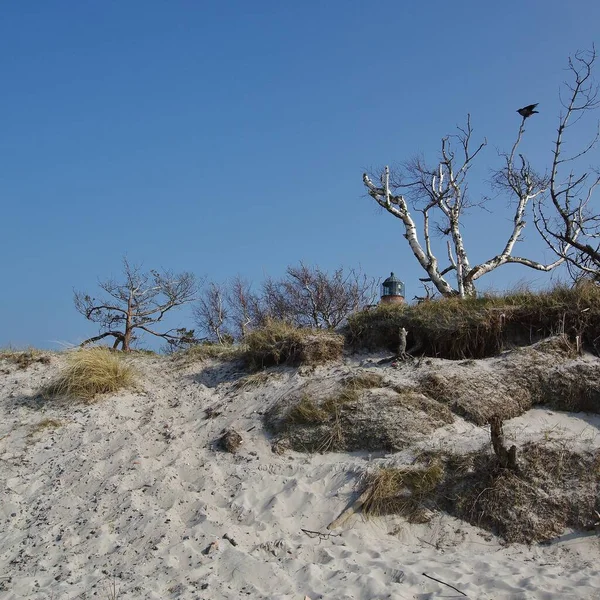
{"x": 246, "y": 309}
{"x": 310, "y": 297}
{"x": 305, "y": 296}
{"x": 440, "y": 194}
{"x": 564, "y": 216}
{"x": 137, "y": 304}
{"x": 212, "y": 312}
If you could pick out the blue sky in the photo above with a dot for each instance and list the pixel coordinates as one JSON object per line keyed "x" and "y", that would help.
{"x": 230, "y": 137}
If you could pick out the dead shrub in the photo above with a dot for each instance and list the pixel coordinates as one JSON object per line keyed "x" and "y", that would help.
{"x": 90, "y": 372}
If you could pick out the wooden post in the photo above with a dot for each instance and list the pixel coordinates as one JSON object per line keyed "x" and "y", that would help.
{"x": 507, "y": 458}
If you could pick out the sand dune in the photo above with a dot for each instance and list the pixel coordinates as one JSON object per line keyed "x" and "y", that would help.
{"x": 130, "y": 495}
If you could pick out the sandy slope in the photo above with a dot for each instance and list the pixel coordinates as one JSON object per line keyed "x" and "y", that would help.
{"x": 131, "y": 492}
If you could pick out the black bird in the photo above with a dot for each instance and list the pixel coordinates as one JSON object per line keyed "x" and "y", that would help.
{"x": 527, "y": 111}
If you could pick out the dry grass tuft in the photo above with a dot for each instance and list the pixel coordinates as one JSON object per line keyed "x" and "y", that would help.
{"x": 364, "y": 380}
{"x": 401, "y": 491}
{"x": 279, "y": 343}
{"x": 24, "y": 358}
{"x": 90, "y": 372}
{"x": 413, "y": 400}
{"x": 361, "y": 412}
{"x": 201, "y": 352}
{"x": 306, "y": 412}
{"x": 553, "y": 489}
{"x": 254, "y": 380}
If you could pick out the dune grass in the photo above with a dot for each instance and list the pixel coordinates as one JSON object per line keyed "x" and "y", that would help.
{"x": 207, "y": 350}
{"x": 91, "y": 372}
{"x": 393, "y": 490}
{"x": 279, "y": 343}
{"x": 457, "y": 328}
{"x": 553, "y": 489}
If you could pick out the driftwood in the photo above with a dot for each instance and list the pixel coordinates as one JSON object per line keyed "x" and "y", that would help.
{"x": 507, "y": 458}
{"x": 350, "y": 510}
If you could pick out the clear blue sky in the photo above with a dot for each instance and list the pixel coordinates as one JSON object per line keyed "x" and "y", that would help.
{"x": 230, "y": 137}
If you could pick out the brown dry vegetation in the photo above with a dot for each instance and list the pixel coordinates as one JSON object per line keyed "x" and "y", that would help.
{"x": 204, "y": 351}
{"x": 279, "y": 343}
{"x": 43, "y": 425}
{"x": 254, "y": 380}
{"x": 24, "y": 358}
{"x": 456, "y": 328}
{"x": 362, "y": 413}
{"x": 553, "y": 489}
{"x": 402, "y": 491}
{"x": 541, "y": 374}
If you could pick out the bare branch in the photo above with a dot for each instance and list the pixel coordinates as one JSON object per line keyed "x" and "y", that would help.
{"x": 562, "y": 217}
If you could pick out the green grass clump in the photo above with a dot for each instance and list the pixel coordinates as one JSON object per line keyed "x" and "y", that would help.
{"x": 90, "y": 372}
{"x": 278, "y": 342}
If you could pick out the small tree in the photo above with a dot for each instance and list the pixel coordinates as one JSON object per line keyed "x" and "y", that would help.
{"x": 212, "y": 312}
{"x": 564, "y": 216}
{"x": 135, "y": 305}
{"x": 310, "y": 297}
{"x": 246, "y": 309}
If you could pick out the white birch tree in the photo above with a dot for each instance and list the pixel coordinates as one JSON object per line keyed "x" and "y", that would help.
{"x": 439, "y": 193}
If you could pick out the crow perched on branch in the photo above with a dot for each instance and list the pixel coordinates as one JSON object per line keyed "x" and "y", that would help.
{"x": 527, "y": 111}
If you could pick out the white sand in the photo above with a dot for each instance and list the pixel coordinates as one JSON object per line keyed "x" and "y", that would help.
{"x": 130, "y": 492}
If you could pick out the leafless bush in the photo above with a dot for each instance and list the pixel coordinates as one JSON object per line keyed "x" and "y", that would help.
{"x": 304, "y": 297}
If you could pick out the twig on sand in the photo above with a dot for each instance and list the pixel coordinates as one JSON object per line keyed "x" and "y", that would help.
{"x": 443, "y": 583}
{"x": 319, "y": 534}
